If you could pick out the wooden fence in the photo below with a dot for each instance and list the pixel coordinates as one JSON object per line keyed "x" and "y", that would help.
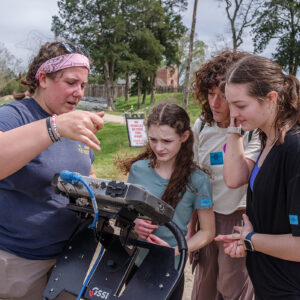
{"x": 99, "y": 90}
{"x": 168, "y": 89}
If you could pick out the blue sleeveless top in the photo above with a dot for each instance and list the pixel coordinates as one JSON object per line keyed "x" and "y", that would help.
{"x": 254, "y": 173}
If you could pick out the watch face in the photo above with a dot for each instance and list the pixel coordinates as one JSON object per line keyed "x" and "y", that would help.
{"x": 248, "y": 245}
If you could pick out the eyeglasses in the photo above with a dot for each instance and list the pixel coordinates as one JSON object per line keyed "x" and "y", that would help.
{"x": 73, "y": 48}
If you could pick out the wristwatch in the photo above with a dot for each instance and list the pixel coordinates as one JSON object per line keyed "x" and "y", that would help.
{"x": 247, "y": 242}
{"x": 232, "y": 129}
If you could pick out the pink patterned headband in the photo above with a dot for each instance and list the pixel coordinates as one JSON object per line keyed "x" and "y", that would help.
{"x": 62, "y": 62}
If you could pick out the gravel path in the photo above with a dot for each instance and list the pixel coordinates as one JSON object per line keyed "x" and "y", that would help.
{"x": 113, "y": 118}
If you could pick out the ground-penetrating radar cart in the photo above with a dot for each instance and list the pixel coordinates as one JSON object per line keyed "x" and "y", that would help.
{"x": 99, "y": 262}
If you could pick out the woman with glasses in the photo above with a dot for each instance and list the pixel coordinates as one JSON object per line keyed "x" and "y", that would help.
{"x": 39, "y": 137}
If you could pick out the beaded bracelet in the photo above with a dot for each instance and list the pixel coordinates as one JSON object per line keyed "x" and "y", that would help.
{"x": 50, "y": 132}
{"x": 53, "y": 123}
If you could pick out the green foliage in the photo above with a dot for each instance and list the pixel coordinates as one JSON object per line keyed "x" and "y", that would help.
{"x": 12, "y": 86}
{"x": 148, "y": 50}
{"x": 148, "y": 53}
{"x": 97, "y": 25}
{"x": 123, "y": 36}
{"x": 280, "y": 20}
{"x": 9, "y": 66}
{"x": 96, "y": 78}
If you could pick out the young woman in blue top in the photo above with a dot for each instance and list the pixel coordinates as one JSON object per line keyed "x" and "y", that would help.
{"x": 261, "y": 96}
{"x": 167, "y": 170}
{"x": 41, "y": 136}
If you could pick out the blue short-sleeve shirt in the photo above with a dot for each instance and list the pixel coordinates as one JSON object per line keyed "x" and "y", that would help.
{"x": 197, "y": 196}
{"x": 34, "y": 221}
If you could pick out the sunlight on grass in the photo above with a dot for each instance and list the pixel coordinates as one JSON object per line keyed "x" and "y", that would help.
{"x": 114, "y": 144}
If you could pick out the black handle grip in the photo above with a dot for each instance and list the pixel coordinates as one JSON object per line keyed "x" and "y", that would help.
{"x": 181, "y": 242}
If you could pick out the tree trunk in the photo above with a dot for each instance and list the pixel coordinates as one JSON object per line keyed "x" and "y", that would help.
{"x": 178, "y": 76}
{"x": 292, "y": 60}
{"x": 127, "y": 87}
{"x": 139, "y": 93}
{"x": 111, "y": 76}
{"x": 188, "y": 67}
{"x": 112, "y": 87}
{"x": 108, "y": 86}
{"x": 144, "y": 97}
{"x": 153, "y": 89}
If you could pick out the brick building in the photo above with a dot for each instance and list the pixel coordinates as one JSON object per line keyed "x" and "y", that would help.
{"x": 167, "y": 76}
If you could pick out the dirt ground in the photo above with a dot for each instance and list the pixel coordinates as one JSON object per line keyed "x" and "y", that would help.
{"x": 188, "y": 282}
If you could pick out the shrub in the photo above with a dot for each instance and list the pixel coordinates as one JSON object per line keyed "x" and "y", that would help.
{"x": 12, "y": 86}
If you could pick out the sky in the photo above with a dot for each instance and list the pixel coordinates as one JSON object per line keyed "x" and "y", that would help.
{"x": 25, "y": 25}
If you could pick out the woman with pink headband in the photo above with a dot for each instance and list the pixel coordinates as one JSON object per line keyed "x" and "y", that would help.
{"x": 39, "y": 137}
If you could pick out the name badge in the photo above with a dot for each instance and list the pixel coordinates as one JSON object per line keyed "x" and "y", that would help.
{"x": 216, "y": 158}
{"x": 205, "y": 202}
{"x": 293, "y": 219}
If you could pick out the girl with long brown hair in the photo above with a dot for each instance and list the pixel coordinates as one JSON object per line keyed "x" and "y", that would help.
{"x": 166, "y": 169}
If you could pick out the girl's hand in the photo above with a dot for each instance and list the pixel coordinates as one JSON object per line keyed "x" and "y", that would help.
{"x": 235, "y": 249}
{"x": 81, "y": 126}
{"x": 152, "y": 238}
{"x": 240, "y": 232}
{"x": 144, "y": 228}
{"x": 234, "y": 243}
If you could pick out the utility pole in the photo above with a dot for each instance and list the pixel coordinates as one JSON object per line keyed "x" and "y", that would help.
{"x": 189, "y": 60}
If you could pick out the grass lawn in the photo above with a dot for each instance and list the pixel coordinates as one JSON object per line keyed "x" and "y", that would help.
{"x": 114, "y": 144}
{"x": 123, "y": 107}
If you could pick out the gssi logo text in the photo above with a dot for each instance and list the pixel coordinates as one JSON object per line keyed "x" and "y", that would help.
{"x": 96, "y": 292}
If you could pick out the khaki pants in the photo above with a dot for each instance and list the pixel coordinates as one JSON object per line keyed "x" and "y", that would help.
{"x": 218, "y": 276}
{"x": 24, "y": 279}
